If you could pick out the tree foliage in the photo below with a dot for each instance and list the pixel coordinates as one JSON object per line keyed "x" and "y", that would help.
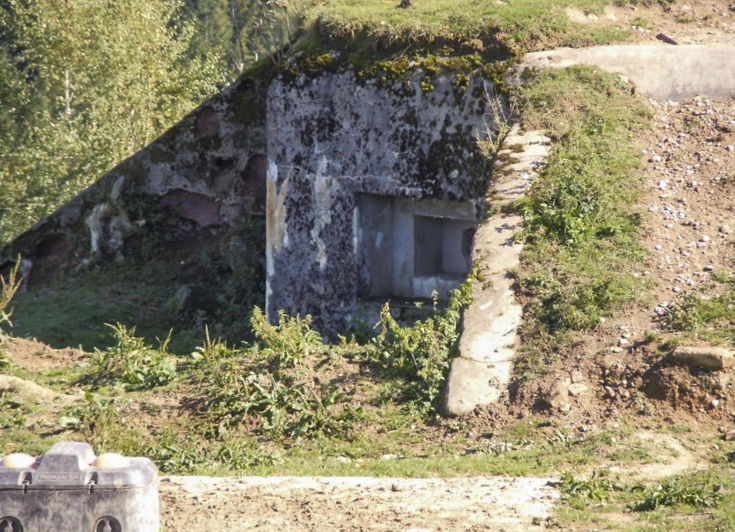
{"x": 84, "y": 84}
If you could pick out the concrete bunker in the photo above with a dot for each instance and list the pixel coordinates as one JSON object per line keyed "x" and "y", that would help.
{"x": 374, "y": 193}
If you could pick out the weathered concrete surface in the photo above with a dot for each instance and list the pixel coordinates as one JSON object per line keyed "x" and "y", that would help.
{"x": 706, "y": 357}
{"x": 662, "y": 72}
{"x": 333, "y": 139}
{"x": 209, "y": 170}
{"x": 487, "y": 346}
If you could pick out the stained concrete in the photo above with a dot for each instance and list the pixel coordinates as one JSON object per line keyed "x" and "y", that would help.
{"x": 662, "y": 72}
{"x": 483, "y": 369}
{"x": 208, "y": 169}
{"x": 335, "y": 141}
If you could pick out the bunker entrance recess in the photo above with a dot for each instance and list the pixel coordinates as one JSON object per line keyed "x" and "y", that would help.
{"x": 408, "y": 248}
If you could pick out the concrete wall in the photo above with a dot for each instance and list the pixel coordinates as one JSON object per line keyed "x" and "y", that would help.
{"x": 208, "y": 170}
{"x": 334, "y": 139}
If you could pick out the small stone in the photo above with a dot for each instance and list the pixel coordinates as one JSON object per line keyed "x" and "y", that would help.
{"x": 577, "y": 389}
{"x": 557, "y": 395}
{"x": 714, "y": 403}
{"x": 616, "y": 349}
{"x": 704, "y": 238}
{"x": 566, "y": 407}
{"x": 708, "y": 268}
{"x": 725, "y": 229}
{"x": 730, "y": 148}
{"x": 658, "y": 247}
{"x": 623, "y": 342}
{"x": 730, "y": 435}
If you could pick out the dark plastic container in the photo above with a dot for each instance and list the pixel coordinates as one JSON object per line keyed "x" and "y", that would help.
{"x": 64, "y": 492}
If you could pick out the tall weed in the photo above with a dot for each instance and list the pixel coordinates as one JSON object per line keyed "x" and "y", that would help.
{"x": 8, "y": 289}
{"x": 420, "y": 354}
{"x": 132, "y": 362}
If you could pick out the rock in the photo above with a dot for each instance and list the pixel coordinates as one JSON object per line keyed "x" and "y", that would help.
{"x": 730, "y": 435}
{"x": 557, "y": 395}
{"x": 725, "y": 229}
{"x": 708, "y": 357}
{"x": 577, "y": 389}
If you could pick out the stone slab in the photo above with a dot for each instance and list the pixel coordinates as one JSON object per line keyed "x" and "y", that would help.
{"x": 661, "y": 72}
{"x": 483, "y": 370}
{"x": 707, "y": 357}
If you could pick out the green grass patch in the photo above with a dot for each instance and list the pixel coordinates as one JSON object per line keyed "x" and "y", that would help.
{"x": 701, "y": 501}
{"x": 581, "y": 223}
{"x": 471, "y": 25}
{"x": 706, "y": 315}
{"x": 74, "y": 310}
{"x": 161, "y": 289}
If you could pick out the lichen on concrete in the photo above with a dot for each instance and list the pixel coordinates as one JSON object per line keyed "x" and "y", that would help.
{"x": 336, "y": 136}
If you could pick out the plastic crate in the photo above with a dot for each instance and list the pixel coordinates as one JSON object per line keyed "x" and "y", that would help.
{"x": 66, "y": 490}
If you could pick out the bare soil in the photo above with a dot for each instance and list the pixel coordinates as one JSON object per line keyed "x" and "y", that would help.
{"x": 356, "y": 504}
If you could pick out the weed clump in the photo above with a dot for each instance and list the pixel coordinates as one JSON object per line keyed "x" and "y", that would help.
{"x": 710, "y": 318}
{"x": 420, "y": 355}
{"x": 131, "y": 362}
{"x": 8, "y": 289}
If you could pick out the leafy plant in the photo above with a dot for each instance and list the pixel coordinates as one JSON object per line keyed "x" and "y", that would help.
{"x": 708, "y": 316}
{"x": 420, "y": 354}
{"x": 267, "y": 385}
{"x": 132, "y": 362}
{"x": 697, "y": 490}
{"x": 240, "y": 455}
{"x": 12, "y": 410}
{"x": 176, "y": 457}
{"x": 595, "y": 489}
{"x": 289, "y": 342}
{"x": 103, "y": 425}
